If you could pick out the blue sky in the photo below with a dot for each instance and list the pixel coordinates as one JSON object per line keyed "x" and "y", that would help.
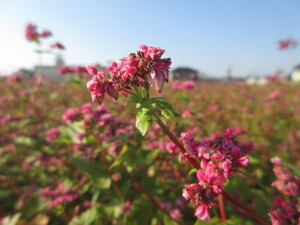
{"x": 206, "y": 35}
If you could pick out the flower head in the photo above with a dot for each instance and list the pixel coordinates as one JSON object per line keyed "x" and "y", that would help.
{"x": 57, "y": 45}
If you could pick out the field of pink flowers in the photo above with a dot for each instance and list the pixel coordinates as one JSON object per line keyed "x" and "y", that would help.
{"x": 125, "y": 146}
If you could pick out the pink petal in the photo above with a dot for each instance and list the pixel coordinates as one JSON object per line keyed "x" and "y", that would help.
{"x": 202, "y": 212}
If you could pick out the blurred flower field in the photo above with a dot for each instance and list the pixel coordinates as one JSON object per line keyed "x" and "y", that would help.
{"x": 66, "y": 160}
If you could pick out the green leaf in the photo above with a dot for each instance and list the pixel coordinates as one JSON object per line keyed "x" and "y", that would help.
{"x": 36, "y": 41}
{"x": 120, "y": 157}
{"x": 95, "y": 171}
{"x": 88, "y": 217}
{"x": 213, "y": 221}
{"x": 192, "y": 171}
{"x": 164, "y": 107}
{"x": 168, "y": 220}
{"x": 135, "y": 99}
{"x": 143, "y": 119}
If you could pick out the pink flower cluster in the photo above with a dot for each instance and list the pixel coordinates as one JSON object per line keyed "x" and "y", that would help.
{"x": 48, "y": 161}
{"x": 72, "y": 69}
{"x": 286, "y": 44}
{"x": 219, "y": 159}
{"x": 133, "y": 71}
{"x": 62, "y": 194}
{"x": 126, "y": 207}
{"x": 52, "y": 134}
{"x": 95, "y": 118}
{"x": 275, "y": 78}
{"x": 16, "y": 77}
{"x": 287, "y": 183}
{"x": 186, "y": 85}
{"x": 32, "y": 34}
{"x": 72, "y": 115}
{"x": 57, "y": 45}
{"x": 287, "y": 206}
{"x": 274, "y": 94}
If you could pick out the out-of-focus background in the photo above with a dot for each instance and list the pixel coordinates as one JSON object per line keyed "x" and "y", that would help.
{"x": 212, "y": 37}
{"x": 232, "y": 99}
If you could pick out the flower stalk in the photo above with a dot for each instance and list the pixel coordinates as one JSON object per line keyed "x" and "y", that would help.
{"x": 235, "y": 203}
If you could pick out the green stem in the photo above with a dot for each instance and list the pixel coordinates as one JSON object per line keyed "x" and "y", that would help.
{"x": 147, "y": 87}
{"x": 129, "y": 92}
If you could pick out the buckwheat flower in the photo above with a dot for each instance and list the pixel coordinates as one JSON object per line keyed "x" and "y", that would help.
{"x": 159, "y": 71}
{"x": 175, "y": 214}
{"x": 286, "y": 44}
{"x": 45, "y": 34}
{"x": 16, "y": 77}
{"x": 97, "y": 89}
{"x": 31, "y": 32}
{"x": 187, "y": 113}
{"x": 71, "y": 115}
{"x": 126, "y": 207}
{"x": 171, "y": 148}
{"x": 52, "y": 134}
{"x": 186, "y": 85}
{"x": 276, "y": 161}
{"x": 202, "y": 198}
{"x": 202, "y": 212}
{"x": 99, "y": 85}
{"x": 57, "y": 45}
{"x": 211, "y": 178}
{"x": 153, "y": 53}
{"x": 91, "y": 69}
{"x": 62, "y": 194}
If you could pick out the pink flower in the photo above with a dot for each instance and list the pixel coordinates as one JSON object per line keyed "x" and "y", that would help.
{"x": 186, "y": 85}
{"x": 91, "y": 69}
{"x": 159, "y": 73}
{"x": 276, "y": 161}
{"x": 187, "y": 113}
{"x": 71, "y": 115}
{"x": 126, "y": 207}
{"x": 152, "y": 53}
{"x": 57, "y": 45}
{"x": 286, "y": 44}
{"x": 99, "y": 84}
{"x": 202, "y": 212}
{"x": 52, "y": 134}
{"x": 175, "y": 214}
{"x": 171, "y": 148}
{"x": 45, "y": 34}
{"x": 97, "y": 89}
{"x": 70, "y": 70}
{"x": 16, "y": 77}
{"x": 31, "y": 32}
{"x": 62, "y": 194}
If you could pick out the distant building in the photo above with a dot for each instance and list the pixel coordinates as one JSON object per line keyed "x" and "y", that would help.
{"x": 50, "y": 71}
{"x": 251, "y": 80}
{"x": 295, "y": 76}
{"x": 184, "y": 73}
{"x": 26, "y": 74}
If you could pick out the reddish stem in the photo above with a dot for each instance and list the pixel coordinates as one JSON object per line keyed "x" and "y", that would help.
{"x": 176, "y": 141}
{"x": 245, "y": 209}
{"x": 197, "y": 166}
{"x": 222, "y": 208}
